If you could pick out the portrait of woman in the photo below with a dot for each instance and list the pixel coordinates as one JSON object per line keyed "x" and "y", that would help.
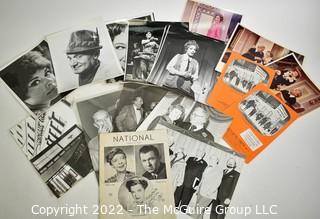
{"x": 117, "y": 159}
{"x": 142, "y": 195}
{"x": 216, "y": 28}
{"x": 32, "y": 79}
{"x": 174, "y": 114}
{"x": 183, "y": 69}
{"x": 119, "y": 37}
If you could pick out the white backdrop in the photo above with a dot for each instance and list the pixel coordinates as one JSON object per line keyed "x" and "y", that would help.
{"x": 286, "y": 174}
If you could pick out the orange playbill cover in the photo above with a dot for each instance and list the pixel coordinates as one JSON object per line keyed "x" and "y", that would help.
{"x": 237, "y": 78}
{"x": 259, "y": 118}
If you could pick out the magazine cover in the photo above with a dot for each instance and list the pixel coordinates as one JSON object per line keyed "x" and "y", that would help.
{"x": 237, "y": 78}
{"x": 135, "y": 175}
{"x": 259, "y": 118}
{"x": 253, "y": 46}
{"x": 210, "y": 21}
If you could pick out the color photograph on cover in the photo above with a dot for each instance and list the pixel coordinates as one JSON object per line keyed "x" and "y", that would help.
{"x": 186, "y": 63}
{"x": 210, "y": 21}
{"x": 293, "y": 86}
{"x": 198, "y": 119}
{"x": 141, "y": 177}
{"x": 204, "y": 176}
{"x": 137, "y": 100}
{"x": 254, "y": 47}
{"x": 32, "y": 79}
{"x": 264, "y": 112}
{"x": 82, "y": 55}
{"x": 55, "y": 146}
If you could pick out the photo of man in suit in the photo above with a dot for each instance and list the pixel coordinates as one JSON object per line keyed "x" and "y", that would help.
{"x": 225, "y": 190}
{"x": 150, "y": 160}
{"x": 199, "y": 119}
{"x": 130, "y": 116}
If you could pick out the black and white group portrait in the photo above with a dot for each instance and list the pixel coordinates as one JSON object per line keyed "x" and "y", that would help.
{"x": 243, "y": 75}
{"x": 32, "y": 78}
{"x": 186, "y": 63}
{"x": 264, "y": 112}
{"x": 83, "y": 55}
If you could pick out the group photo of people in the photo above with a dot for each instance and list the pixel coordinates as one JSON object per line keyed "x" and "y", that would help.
{"x": 293, "y": 86}
{"x": 264, "y": 112}
{"x": 243, "y": 75}
{"x": 209, "y": 21}
{"x": 203, "y": 176}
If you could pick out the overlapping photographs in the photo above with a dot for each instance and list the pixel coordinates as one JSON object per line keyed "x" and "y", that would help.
{"x": 82, "y": 55}
{"x": 198, "y": 119}
{"x": 135, "y": 174}
{"x": 55, "y": 146}
{"x": 32, "y": 79}
{"x": 204, "y": 176}
{"x": 186, "y": 63}
{"x": 145, "y": 39}
{"x": 136, "y": 102}
{"x": 210, "y": 21}
{"x": 293, "y": 85}
{"x": 254, "y": 47}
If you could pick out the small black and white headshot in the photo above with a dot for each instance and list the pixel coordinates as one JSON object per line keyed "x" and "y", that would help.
{"x": 138, "y": 193}
{"x": 243, "y": 75}
{"x": 136, "y": 101}
{"x": 83, "y": 55}
{"x": 31, "y": 77}
{"x": 150, "y": 162}
{"x": 119, "y": 163}
{"x": 186, "y": 63}
{"x": 119, "y": 36}
{"x": 264, "y": 112}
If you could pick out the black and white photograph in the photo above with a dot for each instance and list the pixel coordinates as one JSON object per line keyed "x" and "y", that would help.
{"x": 136, "y": 102}
{"x": 264, "y": 112}
{"x": 150, "y": 161}
{"x": 32, "y": 79}
{"x": 143, "y": 46}
{"x": 82, "y": 55}
{"x": 138, "y": 194}
{"x": 120, "y": 164}
{"x": 293, "y": 85}
{"x": 198, "y": 119}
{"x": 186, "y": 63}
{"x": 55, "y": 146}
{"x": 204, "y": 176}
{"x": 119, "y": 36}
{"x": 141, "y": 178}
{"x": 95, "y": 108}
{"x": 243, "y": 75}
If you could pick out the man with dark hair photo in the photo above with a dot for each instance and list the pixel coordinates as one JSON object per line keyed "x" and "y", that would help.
{"x": 130, "y": 116}
{"x": 150, "y": 160}
{"x": 83, "y": 53}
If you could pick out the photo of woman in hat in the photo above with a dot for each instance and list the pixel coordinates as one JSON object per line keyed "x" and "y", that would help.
{"x": 32, "y": 79}
{"x": 117, "y": 159}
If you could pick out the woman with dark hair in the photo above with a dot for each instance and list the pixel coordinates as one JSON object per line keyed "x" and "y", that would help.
{"x": 31, "y": 78}
{"x": 216, "y": 29}
{"x": 119, "y": 38}
{"x": 117, "y": 159}
{"x": 183, "y": 69}
{"x": 174, "y": 114}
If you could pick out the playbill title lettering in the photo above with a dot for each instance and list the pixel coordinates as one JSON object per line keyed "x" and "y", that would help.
{"x": 132, "y": 138}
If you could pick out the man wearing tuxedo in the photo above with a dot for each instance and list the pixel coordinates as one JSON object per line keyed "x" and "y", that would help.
{"x": 225, "y": 191}
{"x": 130, "y": 116}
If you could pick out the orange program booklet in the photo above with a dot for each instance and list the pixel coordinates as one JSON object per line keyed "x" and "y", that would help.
{"x": 259, "y": 118}
{"x": 238, "y": 77}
